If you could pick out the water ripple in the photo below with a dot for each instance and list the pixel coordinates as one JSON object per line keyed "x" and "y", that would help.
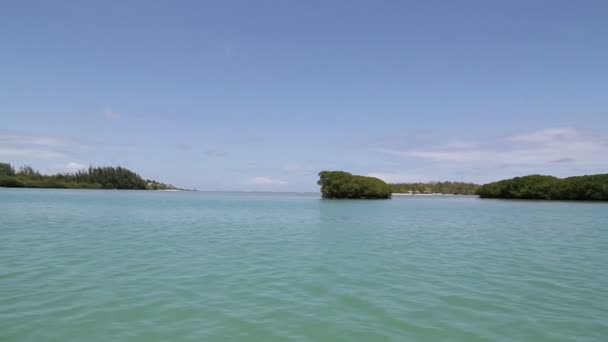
{"x": 146, "y": 266}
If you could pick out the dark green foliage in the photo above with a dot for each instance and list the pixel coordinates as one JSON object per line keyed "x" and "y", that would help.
{"x": 114, "y": 178}
{"x": 593, "y": 187}
{"x": 6, "y": 169}
{"x": 10, "y": 182}
{"x": 340, "y": 184}
{"x": 455, "y": 188}
{"x": 92, "y": 178}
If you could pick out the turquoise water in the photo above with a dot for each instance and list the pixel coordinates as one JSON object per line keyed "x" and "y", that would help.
{"x": 81, "y": 265}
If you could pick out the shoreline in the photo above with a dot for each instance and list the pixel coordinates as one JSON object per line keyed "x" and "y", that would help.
{"x": 437, "y": 194}
{"x": 103, "y": 189}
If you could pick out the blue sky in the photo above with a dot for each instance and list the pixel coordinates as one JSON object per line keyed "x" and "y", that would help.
{"x": 261, "y": 95}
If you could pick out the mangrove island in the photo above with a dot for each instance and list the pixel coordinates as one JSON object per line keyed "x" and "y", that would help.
{"x": 343, "y": 185}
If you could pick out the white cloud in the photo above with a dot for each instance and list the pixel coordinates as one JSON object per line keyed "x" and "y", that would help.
{"x": 30, "y": 146}
{"x": 30, "y": 153}
{"x": 536, "y": 151}
{"x": 25, "y": 139}
{"x": 461, "y": 144}
{"x": 394, "y": 177}
{"x": 547, "y": 135}
{"x": 111, "y": 115}
{"x": 73, "y": 166}
{"x": 265, "y": 181}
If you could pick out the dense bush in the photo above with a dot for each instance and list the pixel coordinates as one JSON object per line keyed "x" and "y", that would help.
{"x": 592, "y": 187}
{"x": 6, "y": 170}
{"x": 10, "y": 182}
{"x": 340, "y": 184}
{"x": 91, "y": 178}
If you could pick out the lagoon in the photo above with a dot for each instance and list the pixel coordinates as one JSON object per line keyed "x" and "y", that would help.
{"x": 101, "y": 265}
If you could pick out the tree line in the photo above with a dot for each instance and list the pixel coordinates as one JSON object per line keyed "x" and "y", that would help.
{"x": 589, "y": 187}
{"x": 92, "y": 178}
{"x": 455, "y": 188}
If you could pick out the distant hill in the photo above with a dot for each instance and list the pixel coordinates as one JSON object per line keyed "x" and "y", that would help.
{"x": 91, "y": 178}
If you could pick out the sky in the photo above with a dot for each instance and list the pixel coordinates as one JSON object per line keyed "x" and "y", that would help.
{"x": 262, "y": 95}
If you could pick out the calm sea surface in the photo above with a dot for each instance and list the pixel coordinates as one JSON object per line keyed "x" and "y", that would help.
{"x": 161, "y": 266}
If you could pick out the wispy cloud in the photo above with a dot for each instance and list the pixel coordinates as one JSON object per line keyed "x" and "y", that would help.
{"x": 110, "y": 114}
{"x": 563, "y": 160}
{"x": 29, "y": 146}
{"x": 548, "y": 135}
{"x": 536, "y": 150}
{"x": 215, "y": 152}
{"x": 8, "y": 138}
{"x": 395, "y": 177}
{"x": 265, "y": 181}
{"x": 29, "y": 153}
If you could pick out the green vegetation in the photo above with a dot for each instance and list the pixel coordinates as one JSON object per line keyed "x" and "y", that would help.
{"x": 91, "y": 178}
{"x": 454, "y": 188}
{"x": 6, "y": 170}
{"x": 591, "y": 188}
{"x": 340, "y": 184}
